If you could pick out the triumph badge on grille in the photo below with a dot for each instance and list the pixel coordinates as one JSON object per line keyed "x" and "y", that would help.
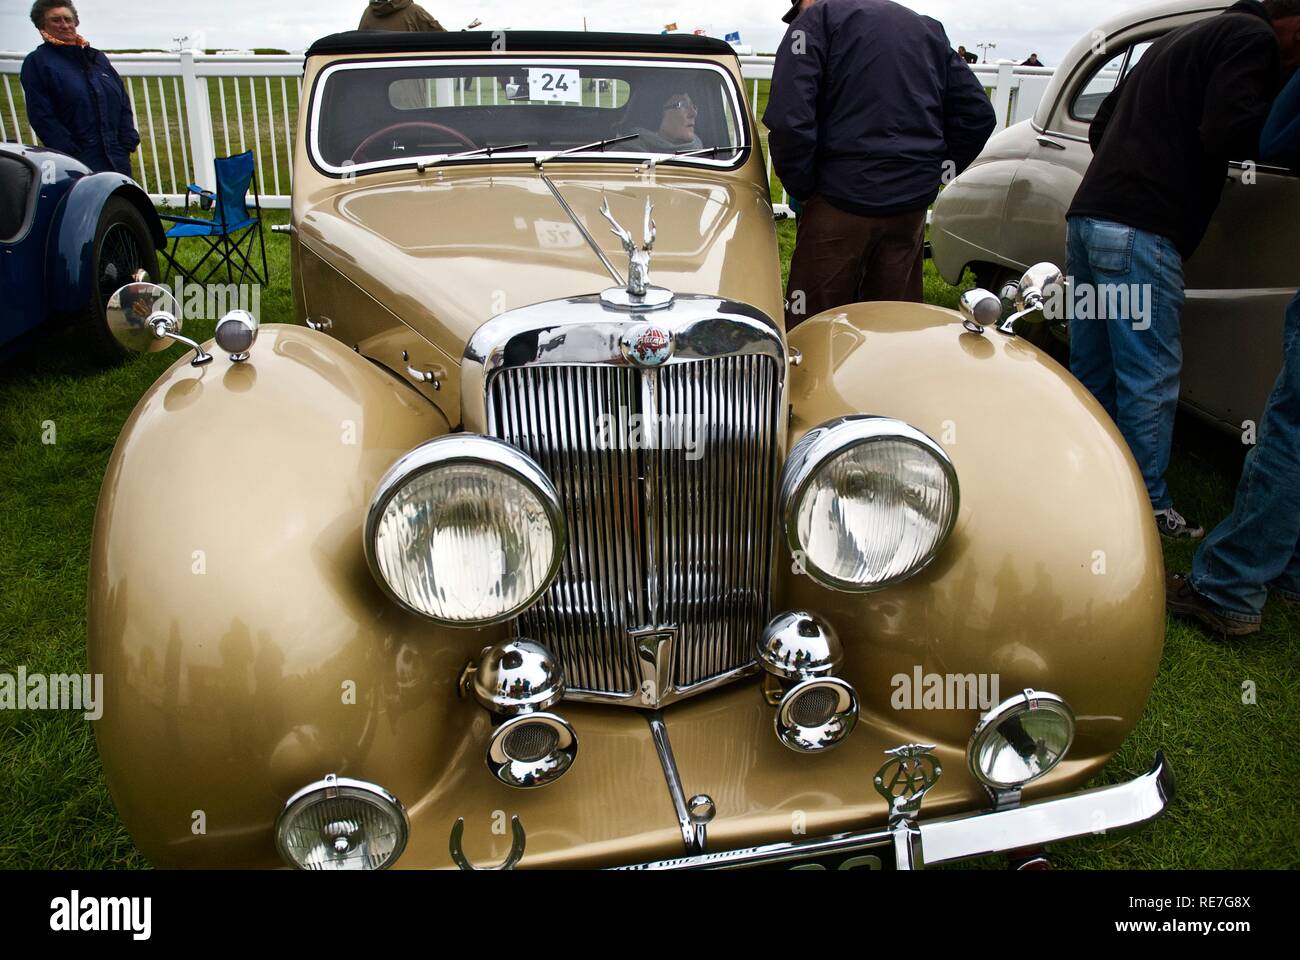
{"x": 647, "y": 344}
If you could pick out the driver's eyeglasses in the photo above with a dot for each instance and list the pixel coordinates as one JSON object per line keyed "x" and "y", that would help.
{"x": 54, "y": 19}
{"x": 683, "y": 104}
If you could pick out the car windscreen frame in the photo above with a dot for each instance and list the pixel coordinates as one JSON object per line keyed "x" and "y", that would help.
{"x": 735, "y": 100}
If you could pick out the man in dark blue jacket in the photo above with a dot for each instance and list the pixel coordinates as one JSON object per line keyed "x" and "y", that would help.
{"x": 870, "y": 110}
{"x": 76, "y": 102}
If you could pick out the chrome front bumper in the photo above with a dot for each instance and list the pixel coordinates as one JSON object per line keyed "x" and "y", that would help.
{"x": 1091, "y": 812}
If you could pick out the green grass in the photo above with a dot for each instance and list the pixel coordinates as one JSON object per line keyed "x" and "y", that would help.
{"x": 1236, "y": 764}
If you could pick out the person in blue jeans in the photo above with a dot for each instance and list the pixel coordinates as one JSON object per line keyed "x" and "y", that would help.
{"x": 1161, "y": 142}
{"x": 1131, "y": 364}
{"x": 1257, "y": 548}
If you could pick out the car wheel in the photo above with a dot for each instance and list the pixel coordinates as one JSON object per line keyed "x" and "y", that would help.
{"x": 123, "y": 245}
{"x": 1052, "y": 337}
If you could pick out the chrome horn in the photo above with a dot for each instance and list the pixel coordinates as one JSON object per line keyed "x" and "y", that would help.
{"x": 979, "y": 309}
{"x": 516, "y": 681}
{"x": 144, "y": 317}
{"x": 815, "y": 710}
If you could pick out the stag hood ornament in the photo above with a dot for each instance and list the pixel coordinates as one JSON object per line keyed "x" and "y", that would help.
{"x": 639, "y": 294}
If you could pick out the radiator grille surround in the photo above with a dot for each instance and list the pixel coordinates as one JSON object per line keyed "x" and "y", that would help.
{"x": 668, "y": 482}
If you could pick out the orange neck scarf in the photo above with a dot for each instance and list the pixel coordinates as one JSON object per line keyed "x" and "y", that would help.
{"x": 79, "y": 42}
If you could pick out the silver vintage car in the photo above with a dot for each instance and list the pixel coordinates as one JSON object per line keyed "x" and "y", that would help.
{"x": 1007, "y": 211}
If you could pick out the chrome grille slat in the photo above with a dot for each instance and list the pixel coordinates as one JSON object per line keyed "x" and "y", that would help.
{"x": 655, "y": 540}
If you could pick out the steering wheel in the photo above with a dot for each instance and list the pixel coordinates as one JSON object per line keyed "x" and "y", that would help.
{"x": 361, "y": 147}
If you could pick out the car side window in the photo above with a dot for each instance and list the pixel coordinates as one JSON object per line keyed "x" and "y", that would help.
{"x": 1105, "y": 79}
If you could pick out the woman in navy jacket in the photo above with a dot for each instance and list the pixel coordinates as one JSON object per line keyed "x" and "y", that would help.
{"x": 76, "y": 102}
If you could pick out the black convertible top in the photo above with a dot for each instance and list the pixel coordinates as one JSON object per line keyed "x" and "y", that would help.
{"x": 383, "y": 41}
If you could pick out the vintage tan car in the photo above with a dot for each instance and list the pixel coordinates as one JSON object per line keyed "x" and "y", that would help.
{"x": 541, "y": 543}
{"x": 1007, "y": 211}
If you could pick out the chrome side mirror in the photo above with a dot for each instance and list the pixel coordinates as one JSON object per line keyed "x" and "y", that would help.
{"x": 1036, "y": 283}
{"x": 979, "y": 309}
{"x": 1031, "y": 297}
{"x": 144, "y": 318}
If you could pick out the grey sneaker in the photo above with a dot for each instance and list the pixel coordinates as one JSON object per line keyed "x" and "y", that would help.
{"x": 1174, "y": 526}
{"x": 1183, "y": 601}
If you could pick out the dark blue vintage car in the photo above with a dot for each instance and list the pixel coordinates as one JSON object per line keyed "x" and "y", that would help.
{"x": 68, "y": 239}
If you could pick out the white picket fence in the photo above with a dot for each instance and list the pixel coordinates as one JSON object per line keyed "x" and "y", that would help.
{"x": 191, "y": 108}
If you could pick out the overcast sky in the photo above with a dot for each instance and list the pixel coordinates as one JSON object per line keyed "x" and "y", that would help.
{"x": 1047, "y": 27}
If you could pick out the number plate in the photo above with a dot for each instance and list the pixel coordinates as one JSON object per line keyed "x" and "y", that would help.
{"x": 560, "y": 86}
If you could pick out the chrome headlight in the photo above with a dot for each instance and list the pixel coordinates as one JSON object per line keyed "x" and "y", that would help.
{"x": 867, "y": 502}
{"x": 465, "y": 530}
{"x": 1021, "y": 739}
{"x": 341, "y": 824}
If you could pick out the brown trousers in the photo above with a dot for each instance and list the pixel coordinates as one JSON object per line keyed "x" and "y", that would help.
{"x": 842, "y": 258}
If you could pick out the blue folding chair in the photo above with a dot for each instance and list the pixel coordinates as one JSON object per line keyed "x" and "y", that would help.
{"x": 232, "y": 229}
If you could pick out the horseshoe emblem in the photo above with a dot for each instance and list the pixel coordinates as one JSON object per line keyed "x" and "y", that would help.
{"x": 512, "y": 858}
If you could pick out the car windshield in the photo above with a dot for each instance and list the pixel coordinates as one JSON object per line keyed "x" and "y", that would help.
{"x": 369, "y": 116}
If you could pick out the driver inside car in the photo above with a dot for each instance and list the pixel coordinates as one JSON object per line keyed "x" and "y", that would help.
{"x": 675, "y": 131}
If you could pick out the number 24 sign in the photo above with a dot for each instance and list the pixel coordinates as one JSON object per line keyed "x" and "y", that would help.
{"x": 547, "y": 83}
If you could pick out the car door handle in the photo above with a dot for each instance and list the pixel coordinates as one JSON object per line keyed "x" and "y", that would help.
{"x": 430, "y": 377}
{"x": 1045, "y": 141}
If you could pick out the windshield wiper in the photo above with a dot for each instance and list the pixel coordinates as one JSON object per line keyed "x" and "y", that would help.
{"x": 486, "y": 151}
{"x": 730, "y": 148}
{"x": 598, "y": 145}
{"x": 665, "y": 157}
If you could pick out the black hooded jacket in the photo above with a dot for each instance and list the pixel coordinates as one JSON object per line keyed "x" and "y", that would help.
{"x": 868, "y": 101}
{"x": 1162, "y": 140}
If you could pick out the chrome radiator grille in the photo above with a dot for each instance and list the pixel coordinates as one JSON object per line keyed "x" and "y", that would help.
{"x": 668, "y": 480}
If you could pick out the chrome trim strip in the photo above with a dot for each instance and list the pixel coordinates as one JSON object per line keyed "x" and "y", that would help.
{"x": 659, "y": 733}
{"x": 1103, "y": 809}
{"x": 651, "y": 468}
{"x": 582, "y": 228}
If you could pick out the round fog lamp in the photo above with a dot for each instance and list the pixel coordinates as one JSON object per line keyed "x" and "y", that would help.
{"x": 1020, "y": 740}
{"x": 341, "y": 824}
{"x": 465, "y": 530}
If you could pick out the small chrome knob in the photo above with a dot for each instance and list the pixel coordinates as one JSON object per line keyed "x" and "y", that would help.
{"x": 701, "y": 809}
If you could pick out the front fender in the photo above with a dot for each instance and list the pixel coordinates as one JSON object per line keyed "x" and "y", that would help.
{"x": 245, "y": 648}
{"x": 1053, "y": 577}
{"x": 71, "y": 247}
